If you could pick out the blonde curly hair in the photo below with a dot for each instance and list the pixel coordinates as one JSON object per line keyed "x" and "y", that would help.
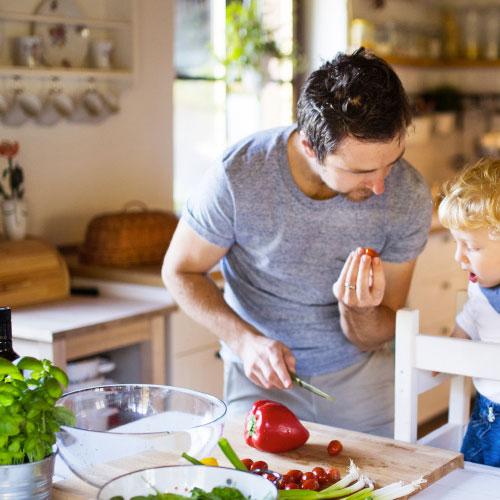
{"x": 472, "y": 199}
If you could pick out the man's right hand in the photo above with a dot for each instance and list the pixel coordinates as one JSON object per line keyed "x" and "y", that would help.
{"x": 266, "y": 362}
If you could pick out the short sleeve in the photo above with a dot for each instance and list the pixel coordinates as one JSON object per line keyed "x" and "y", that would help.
{"x": 409, "y": 221}
{"x": 209, "y": 211}
{"x": 466, "y": 318}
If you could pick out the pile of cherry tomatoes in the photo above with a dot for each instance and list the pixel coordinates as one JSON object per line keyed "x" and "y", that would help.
{"x": 317, "y": 479}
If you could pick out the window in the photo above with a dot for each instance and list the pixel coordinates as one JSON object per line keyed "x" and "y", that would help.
{"x": 207, "y": 116}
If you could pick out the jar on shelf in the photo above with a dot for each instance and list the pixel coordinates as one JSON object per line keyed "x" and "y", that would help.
{"x": 434, "y": 45}
{"x": 362, "y": 34}
{"x": 451, "y": 34}
{"x": 491, "y": 33}
{"x": 471, "y": 34}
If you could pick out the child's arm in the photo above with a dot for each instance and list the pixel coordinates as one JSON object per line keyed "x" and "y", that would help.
{"x": 459, "y": 333}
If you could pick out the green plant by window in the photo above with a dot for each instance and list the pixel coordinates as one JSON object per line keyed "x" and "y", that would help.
{"x": 29, "y": 416}
{"x": 248, "y": 42}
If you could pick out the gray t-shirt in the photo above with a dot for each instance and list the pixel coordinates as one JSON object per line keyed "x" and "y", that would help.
{"x": 286, "y": 250}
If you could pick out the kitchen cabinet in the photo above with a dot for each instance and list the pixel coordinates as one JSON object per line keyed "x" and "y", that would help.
{"x": 436, "y": 281}
{"x": 194, "y": 356}
{"x": 78, "y": 327}
{"x": 112, "y": 20}
{"x": 192, "y": 359}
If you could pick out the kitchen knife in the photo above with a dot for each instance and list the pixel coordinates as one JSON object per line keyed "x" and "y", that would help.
{"x": 306, "y": 385}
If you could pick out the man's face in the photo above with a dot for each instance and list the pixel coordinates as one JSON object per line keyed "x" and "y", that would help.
{"x": 357, "y": 169}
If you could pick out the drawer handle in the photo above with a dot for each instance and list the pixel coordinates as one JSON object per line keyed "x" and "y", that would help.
{"x": 217, "y": 355}
{"x": 444, "y": 330}
{"x": 445, "y": 285}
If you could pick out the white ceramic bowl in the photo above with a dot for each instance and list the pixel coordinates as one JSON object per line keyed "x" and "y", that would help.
{"x": 181, "y": 479}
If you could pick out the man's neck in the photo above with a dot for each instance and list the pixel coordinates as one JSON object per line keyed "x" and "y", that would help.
{"x": 303, "y": 173}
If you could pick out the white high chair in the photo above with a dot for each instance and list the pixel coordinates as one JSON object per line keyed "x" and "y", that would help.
{"x": 417, "y": 355}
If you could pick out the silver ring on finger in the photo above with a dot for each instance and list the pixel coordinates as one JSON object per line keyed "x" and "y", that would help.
{"x": 350, "y": 286}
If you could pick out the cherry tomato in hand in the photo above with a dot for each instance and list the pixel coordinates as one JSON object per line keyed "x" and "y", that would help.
{"x": 334, "y": 447}
{"x": 370, "y": 251}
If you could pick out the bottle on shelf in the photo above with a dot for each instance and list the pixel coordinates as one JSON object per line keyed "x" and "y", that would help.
{"x": 6, "y": 350}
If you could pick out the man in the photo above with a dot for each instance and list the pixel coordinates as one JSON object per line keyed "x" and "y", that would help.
{"x": 287, "y": 212}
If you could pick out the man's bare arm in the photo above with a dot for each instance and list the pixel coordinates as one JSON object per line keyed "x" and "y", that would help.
{"x": 185, "y": 273}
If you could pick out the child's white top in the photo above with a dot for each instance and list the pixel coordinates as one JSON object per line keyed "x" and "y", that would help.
{"x": 481, "y": 322}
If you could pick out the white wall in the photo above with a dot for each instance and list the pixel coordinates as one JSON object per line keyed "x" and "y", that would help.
{"x": 74, "y": 171}
{"x": 325, "y": 31}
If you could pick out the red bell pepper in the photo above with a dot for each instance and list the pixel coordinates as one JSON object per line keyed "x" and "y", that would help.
{"x": 272, "y": 427}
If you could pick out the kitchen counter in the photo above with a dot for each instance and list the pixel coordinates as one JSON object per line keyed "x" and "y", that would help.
{"x": 383, "y": 460}
{"x": 149, "y": 275}
{"x": 77, "y": 326}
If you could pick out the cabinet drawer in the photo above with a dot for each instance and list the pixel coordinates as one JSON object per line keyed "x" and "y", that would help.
{"x": 186, "y": 335}
{"x": 201, "y": 371}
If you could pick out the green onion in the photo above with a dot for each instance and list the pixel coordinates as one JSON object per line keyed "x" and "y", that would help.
{"x": 351, "y": 476}
{"x": 227, "y": 449}
{"x": 397, "y": 490}
{"x": 191, "y": 459}
{"x": 364, "y": 494}
{"x": 344, "y": 492}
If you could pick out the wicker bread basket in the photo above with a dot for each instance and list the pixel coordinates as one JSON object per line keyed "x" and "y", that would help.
{"x": 129, "y": 237}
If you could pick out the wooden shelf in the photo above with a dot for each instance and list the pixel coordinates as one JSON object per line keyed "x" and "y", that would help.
{"x": 91, "y": 23}
{"x": 441, "y": 63}
{"x": 76, "y": 73}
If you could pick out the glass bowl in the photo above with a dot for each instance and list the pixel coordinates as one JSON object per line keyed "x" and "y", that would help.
{"x": 182, "y": 479}
{"x": 123, "y": 428}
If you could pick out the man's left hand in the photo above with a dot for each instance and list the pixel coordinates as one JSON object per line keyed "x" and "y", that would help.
{"x": 361, "y": 283}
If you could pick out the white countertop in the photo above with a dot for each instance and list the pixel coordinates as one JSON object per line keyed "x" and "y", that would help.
{"x": 115, "y": 301}
{"x": 473, "y": 482}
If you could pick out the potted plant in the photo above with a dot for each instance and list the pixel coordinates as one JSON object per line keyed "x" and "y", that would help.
{"x": 13, "y": 205}
{"x": 29, "y": 420}
{"x": 249, "y": 45}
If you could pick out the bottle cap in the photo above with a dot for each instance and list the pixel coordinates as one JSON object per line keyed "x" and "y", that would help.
{"x": 4, "y": 313}
{"x": 5, "y": 325}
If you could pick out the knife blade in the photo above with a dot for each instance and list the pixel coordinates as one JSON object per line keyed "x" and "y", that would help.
{"x": 309, "y": 387}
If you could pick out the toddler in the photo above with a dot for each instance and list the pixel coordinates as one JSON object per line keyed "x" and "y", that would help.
{"x": 471, "y": 211}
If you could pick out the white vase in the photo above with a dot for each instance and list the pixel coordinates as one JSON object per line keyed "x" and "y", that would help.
{"x": 15, "y": 218}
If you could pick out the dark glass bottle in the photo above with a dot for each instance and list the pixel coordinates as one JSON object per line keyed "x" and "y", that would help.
{"x": 6, "y": 350}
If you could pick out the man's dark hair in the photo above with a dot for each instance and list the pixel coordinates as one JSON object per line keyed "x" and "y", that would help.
{"x": 357, "y": 95}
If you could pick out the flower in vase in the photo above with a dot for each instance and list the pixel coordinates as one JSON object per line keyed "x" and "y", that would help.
{"x": 12, "y": 173}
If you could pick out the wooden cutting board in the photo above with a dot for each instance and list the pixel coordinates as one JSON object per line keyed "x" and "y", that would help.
{"x": 382, "y": 460}
{"x": 31, "y": 271}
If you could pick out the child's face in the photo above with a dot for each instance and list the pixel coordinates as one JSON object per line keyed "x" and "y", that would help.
{"x": 478, "y": 254}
